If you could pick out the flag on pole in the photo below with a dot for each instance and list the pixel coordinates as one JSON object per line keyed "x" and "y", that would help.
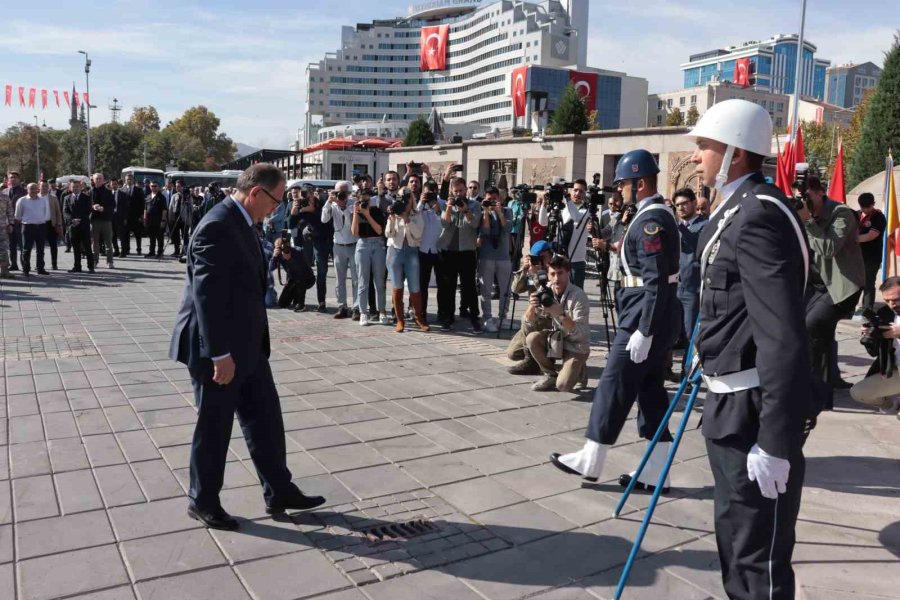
{"x": 786, "y": 168}
{"x": 836, "y": 189}
{"x": 893, "y": 221}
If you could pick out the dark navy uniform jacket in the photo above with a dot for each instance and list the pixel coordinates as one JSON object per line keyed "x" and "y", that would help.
{"x": 651, "y": 248}
{"x": 752, "y": 315}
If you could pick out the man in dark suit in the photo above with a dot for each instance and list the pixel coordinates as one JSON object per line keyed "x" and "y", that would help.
{"x": 135, "y": 197}
{"x": 15, "y": 190}
{"x": 690, "y": 224}
{"x": 649, "y": 323}
{"x": 754, "y": 352}
{"x": 222, "y": 335}
{"x": 120, "y": 217}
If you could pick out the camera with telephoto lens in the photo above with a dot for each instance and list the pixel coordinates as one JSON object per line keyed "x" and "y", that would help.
{"x": 398, "y": 207}
{"x": 285, "y": 238}
{"x": 544, "y": 293}
{"x": 341, "y": 195}
{"x": 524, "y": 194}
{"x": 875, "y": 345}
{"x": 363, "y": 204}
{"x": 487, "y": 203}
{"x": 800, "y": 199}
{"x": 460, "y": 202}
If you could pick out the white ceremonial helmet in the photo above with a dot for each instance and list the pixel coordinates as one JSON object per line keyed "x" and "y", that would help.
{"x": 737, "y": 124}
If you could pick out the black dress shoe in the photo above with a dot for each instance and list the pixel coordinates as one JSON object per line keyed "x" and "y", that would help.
{"x": 840, "y": 384}
{"x": 554, "y": 458}
{"x": 298, "y": 502}
{"x": 42, "y": 272}
{"x": 625, "y": 479}
{"x": 215, "y": 518}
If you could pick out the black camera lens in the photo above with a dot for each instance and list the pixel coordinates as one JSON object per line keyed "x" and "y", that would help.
{"x": 364, "y": 204}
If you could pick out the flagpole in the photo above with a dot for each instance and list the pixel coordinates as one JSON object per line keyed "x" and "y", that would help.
{"x": 795, "y": 123}
{"x": 888, "y": 174}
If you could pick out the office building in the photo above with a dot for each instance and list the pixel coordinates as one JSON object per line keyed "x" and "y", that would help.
{"x": 847, "y": 84}
{"x": 660, "y": 105}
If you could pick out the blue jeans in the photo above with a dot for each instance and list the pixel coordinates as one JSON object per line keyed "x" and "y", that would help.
{"x": 370, "y": 260}
{"x": 404, "y": 262}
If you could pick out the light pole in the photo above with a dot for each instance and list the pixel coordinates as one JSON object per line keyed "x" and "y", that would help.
{"x": 87, "y": 86}
{"x": 37, "y": 149}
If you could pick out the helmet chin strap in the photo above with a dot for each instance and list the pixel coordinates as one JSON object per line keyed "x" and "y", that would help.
{"x": 722, "y": 176}
{"x": 634, "y": 192}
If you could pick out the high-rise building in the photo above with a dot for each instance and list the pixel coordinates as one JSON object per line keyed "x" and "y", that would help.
{"x": 662, "y": 104}
{"x": 378, "y": 74}
{"x": 847, "y": 84}
{"x": 773, "y": 66}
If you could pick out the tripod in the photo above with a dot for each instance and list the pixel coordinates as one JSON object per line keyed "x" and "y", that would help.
{"x": 517, "y": 250}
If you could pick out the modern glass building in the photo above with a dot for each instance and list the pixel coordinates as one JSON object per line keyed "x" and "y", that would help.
{"x": 847, "y": 84}
{"x": 773, "y": 66}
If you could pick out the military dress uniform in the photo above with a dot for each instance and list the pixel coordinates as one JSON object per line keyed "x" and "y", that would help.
{"x": 7, "y": 218}
{"x": 754, "y": 351}
{"x": 647, "y": 301}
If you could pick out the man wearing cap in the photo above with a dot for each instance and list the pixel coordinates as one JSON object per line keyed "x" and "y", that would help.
{"x": 649, "y": 323}
{"x": 523, "y": 282}
{"x": 754, "y": 352}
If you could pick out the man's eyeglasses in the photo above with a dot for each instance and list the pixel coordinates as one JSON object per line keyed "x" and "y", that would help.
{"x": 274, "y": 199}
{"x": 680, "y": 204}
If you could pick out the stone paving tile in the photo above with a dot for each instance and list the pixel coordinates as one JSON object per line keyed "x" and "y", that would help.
{"x": 156, "y": 480}
{"x": 437, "y": 470}
{"x": 220, "y": 583}
{"x": 71, "y": 573}
{"x": 7, "y": 581}
{"x": 422, "y": 585}
{"x": 137, "y": 445}
{"x": 478, "y": 495}
{"x": 322, "y": 437}
{"x": 162, "y": 555}
{"x": 6, "y": 544}
{"x": 77, "y": 491}
{"x": 67, "y": 454}
{"x": 377, "y": 481}
{"x": 292, "y": 576}
{"x": 345, "y": 458}
{"x": 29, "y": 459}
{"x": 118, "y": 485}
{"x": 261, "y": 539}
{"x": 72, "y": 532}
{"x": 34, "y": 498}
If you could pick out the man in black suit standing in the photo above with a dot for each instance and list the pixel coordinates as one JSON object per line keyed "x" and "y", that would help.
{"x": 120, "y": 217}
{"x": 222, "y": 335}
{"x": 135, "y": 203}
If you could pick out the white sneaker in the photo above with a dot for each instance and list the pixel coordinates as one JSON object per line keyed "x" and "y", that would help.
{"x": 386, "y": 320}
{"x": 490, "y": 325}
{"x": 363, "y": 319}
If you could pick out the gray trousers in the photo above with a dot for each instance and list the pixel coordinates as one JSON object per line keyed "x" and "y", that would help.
{"x": 345, "y": 260}
{"x": 102, "y": 229}
{"x": 487, "y": 270}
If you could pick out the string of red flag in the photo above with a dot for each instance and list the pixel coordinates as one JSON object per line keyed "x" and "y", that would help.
{"x": 31, "y": 100}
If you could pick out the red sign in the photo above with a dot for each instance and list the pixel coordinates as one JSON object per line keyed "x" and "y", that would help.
{"x": 433, "y": 48}
{"x": 586, "y": 86}
{"x": 742, "y": 72}
{"x": 517, "y": 90}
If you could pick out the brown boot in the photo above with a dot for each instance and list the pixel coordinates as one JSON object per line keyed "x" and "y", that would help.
{"x": 398, "y": 309}
{"x": 416, "y": 301}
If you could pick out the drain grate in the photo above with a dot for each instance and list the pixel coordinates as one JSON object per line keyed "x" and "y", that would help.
{"x": 400, "y": 531}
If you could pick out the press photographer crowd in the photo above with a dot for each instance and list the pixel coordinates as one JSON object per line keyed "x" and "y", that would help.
{"x": 745, "y": 293}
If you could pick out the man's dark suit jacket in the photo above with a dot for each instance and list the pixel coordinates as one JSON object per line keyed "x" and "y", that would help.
{"x": 223, "y": 310}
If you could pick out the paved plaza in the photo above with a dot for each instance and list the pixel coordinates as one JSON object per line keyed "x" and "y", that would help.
{"x": 433, "y": 459}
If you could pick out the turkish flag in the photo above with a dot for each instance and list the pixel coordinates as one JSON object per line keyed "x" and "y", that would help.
{"x": 31, "y": 94}
{"x": 8, "y": 94}
{"x": 787, "y": 163}
{"x": 75, "y": 99}
{"x": 66, "y": 96}
{"x": 21, "y": 96}
{"x": 518, "y": 89}
{"x": 43, "y": 98}
{"x": 433, "y": 48}
{"x": 86, "y": 101}
{"x": 836, "y": 185}
{"x": 56, "y": 97}
{"x": 742, "y": 72}
{"x": 586, "y": 86}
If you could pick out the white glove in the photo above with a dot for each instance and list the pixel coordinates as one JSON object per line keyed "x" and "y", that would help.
{"x": 639, "y": 345}
{"x": 770, "y": 472}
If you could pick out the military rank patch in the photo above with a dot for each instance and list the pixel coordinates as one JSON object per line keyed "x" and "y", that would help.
{"x": 651, "y": 229}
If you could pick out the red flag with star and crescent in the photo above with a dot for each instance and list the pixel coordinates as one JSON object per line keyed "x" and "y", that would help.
{"x": 518, "y": 90}
{"x": 742, "y": 72}
{"x": 433, "y": 48}
{"x": 586, "y": 86}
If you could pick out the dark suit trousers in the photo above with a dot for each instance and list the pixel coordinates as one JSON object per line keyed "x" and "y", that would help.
{"x": 135, "y": 226}
{"x": 822, "y": 317}
{"x": 754, "y": 535}
{"x": 427, "y": 264}
{"x": 81, "y": 243}
{"x": 156, "y": 233}
{"x": 623, "y": 382}
{"x": 457, "y": 266}
{"x": 869, "y": 286}
{"x": 254, "y": 398}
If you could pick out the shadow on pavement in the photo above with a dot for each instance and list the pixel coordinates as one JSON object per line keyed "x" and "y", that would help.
{"x": 867, "y": 475}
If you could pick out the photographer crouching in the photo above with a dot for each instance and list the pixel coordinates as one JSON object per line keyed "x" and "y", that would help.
{"x": 881, "y": 337}
{"x": 525, "y": 280}
{"x": 299, "y": 274}
{"x": 568, "y": 338}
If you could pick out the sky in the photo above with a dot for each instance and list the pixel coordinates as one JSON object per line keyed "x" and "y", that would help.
{"x": 248, "y": 65}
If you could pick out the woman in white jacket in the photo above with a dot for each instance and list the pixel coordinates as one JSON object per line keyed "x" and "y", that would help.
{"x": 404, "y": 232}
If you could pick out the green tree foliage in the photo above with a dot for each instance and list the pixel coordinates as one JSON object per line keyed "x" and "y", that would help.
{"x": 166, "y": 146}
{"x": 202, "y": 125}
{"x": 73, "y": 147}
{"x": 18, "y": 151}
{"x": 144, "y": 119}
{"x": 419, "y": 134}
{"x": 675, "y": 118}
{"x": 571, "y": 115}
{"x": 881, "y": 127}
{"x": 851, "y": 135}
{"x": 114, "y": 145}
{"x": 693, "y": 115}
{"x": 820, "y": 146}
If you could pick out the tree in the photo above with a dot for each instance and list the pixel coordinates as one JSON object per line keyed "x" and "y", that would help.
{"x": 675, "y": 118}
{"x": 419, "y": 133}
{"x": 571, "y": 115}
{"x": 850, "y": 136}
{"x": 881, "y": 127}
{"x": 72, "y": 145}
{"x": 18, "y": 150}
{"x": 114, "y": 145}
{"x": 594, "y": 121}
{"x": 693, "y": 115}
{"x": 202, "y": 124}
{"x": 170, "y": 145}
{"x": 818, "y": 144}
{"x": 144, "y": 119}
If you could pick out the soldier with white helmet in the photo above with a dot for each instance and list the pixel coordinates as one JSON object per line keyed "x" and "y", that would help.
{"x": 754, "y": 351}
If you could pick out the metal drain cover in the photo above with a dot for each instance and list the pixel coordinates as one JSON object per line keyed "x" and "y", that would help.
{"x": 400, "y": 531}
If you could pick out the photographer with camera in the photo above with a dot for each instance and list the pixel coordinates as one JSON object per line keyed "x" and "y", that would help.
{"x": 338, "y": 210}
{"x": 569, "y": 335}
{"x": 430, "y": 207}
{"x": 318, "y": 237}
{"x": 881, "y": 337}
{"x": 649, "y": 323}
{"x": 493, "y": 255}
{"x": 574, "y": 216}
{"x": 460, "y": 223}
{"x": 608, "y": 241}
{"x": 299, "y": 274}
{"x": 368, "y": 225}
{"x": 525, "y": 280}
{"x": 839, "y": 274}
{"x": 404, "y": 233}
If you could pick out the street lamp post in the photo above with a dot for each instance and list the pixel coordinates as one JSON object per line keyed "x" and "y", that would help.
{"x": 87, "y": 86}
{"x": 37, "y": 149}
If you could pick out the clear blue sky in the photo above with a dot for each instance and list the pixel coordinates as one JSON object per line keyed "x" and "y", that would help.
{"x": 246, "y": 61}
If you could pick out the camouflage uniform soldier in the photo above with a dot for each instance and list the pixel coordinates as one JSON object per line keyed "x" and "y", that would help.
{"x": 7, "y": 216}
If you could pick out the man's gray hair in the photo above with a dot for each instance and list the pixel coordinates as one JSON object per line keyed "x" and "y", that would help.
{"x": 342, "y": 186}
{"x": 261, "y": 174}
